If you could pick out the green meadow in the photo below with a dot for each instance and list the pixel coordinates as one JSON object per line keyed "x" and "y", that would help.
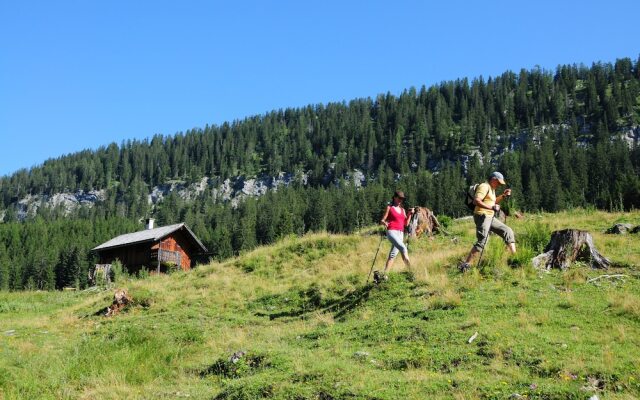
{"x": 306, "y": 325}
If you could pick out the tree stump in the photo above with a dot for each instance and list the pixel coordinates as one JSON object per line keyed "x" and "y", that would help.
{"x": 120, "y": 300}
{"x": 567, "y": 246}
{"x": 423, "y": 220}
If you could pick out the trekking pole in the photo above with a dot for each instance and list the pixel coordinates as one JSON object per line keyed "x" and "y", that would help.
{"x": 486, "y": 240}
{"x": 374, "y": 258}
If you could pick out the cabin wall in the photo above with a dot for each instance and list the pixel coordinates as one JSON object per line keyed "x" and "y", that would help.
{"x": 177, "y": 242}
{"x": 132, "y": 257}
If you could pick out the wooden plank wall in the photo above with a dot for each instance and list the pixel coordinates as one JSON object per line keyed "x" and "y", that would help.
{"x": 177, "y": 242}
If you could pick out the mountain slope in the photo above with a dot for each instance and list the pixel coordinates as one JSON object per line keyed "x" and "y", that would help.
{"x": 312, "y": 329}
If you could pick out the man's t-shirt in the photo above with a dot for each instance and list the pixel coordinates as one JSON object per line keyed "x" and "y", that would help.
{"x": 488, "y": 196}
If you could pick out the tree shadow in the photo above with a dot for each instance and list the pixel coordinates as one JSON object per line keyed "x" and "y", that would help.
{"x": 339, "y": 306}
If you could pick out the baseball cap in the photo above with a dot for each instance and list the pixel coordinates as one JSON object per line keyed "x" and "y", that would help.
{"x": 399, "y": 194}
{"x": 498, "y": 176}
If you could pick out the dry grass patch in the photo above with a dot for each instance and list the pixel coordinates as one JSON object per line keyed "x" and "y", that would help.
{"x": 447, "y": 300}
{"x": 625, "y": 303}
{"x": 525, "y": 322}
{"x": 577, "y": 274}
{"x": 522, "y": 298}
{"x": 619, "y": 333}
{"x": 470, "y": 323}
{"x": 567, "y": 300}
{"x": 439, "y": 282}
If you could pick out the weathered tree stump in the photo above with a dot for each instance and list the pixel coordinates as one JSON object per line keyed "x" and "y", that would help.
{"x": 120, "y": 300}
{"x": 567, "y": 246}
{"x": 620, "y": 229}
{"x": 423, "y": 221}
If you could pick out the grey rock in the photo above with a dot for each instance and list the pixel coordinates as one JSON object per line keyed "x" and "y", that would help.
{"x": 359, "y": 179}
{"x": 619, "y": 229}
{"x": 361, "y": 354}
{"x": 235, "y": 357}
{"x": 69, "y": 202}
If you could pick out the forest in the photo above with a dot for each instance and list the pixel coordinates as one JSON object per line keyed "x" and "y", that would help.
{"x": 563, "y": 139}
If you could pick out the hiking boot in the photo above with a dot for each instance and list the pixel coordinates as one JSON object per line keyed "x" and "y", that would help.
{"x": 464, "y": 267}
{"x": 379, "y": 277}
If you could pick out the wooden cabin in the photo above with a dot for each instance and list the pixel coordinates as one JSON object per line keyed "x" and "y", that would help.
{"x": 155, "y": 249}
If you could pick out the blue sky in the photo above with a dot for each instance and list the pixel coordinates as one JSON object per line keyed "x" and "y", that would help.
{"x": 81, "y": 74}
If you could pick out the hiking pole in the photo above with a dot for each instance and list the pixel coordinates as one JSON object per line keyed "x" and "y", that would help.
{"x": 486, "y": 240}
{"x": 374, "y": 258}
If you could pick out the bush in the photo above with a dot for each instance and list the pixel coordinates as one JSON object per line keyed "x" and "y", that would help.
{"x": 144, "y": 273}
{"x": 172, "y": 267}
{"x": 118, "y": 272}
{"x": 536, "y": 237}
{"x": 445, "y": 221}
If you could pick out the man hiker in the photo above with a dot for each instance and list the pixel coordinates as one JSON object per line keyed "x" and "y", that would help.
{"x": 395, "y": 219}
{"x": 486, "y": 205}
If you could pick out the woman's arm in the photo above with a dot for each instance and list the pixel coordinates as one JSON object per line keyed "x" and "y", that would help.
{"x": 383, "y": 221}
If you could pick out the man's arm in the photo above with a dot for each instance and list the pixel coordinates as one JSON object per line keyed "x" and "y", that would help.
{"x": 478, "y": 202}
{"x": 506, "y": 193}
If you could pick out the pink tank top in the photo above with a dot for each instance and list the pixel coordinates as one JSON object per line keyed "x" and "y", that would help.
{"x": 396, "y": 219}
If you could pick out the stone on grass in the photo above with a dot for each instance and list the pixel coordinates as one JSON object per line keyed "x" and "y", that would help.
{"x": 619, "y": 229}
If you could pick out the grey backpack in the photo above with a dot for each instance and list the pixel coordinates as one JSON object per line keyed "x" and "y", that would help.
{"x": 471, "y": 195}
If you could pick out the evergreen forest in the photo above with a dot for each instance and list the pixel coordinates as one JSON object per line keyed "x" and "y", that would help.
{"x": 563, "y": 139}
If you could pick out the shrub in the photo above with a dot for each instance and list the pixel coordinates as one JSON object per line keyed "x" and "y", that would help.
{"x": 445, "y": 221}
{"x": 118, "y": 272}
{"x": 172, "y": 267}
{"x": 536, "y": 237}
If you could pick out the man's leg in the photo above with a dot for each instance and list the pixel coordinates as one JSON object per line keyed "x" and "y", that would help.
{"x": 505, "y": 233}
{"x": 471, "y": 254}
{"x": 482, "y": 232}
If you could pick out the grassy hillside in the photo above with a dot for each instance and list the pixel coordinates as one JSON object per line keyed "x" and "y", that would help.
{"x": 312, "y": 329}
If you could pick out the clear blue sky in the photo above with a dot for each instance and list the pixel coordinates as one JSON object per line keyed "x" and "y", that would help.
{"x": 81, "y": 74}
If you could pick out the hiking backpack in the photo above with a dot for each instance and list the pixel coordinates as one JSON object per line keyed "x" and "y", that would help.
{"x": 471, "y": 195}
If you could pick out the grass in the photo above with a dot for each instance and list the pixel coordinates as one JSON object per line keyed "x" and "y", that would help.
{"x": 312, "y": 329}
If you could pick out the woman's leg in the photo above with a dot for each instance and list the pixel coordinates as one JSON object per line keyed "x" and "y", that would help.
{"x": 397, "y": 240}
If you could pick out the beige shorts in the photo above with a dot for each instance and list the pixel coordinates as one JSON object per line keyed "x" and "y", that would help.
{"x": 486, "y": 224}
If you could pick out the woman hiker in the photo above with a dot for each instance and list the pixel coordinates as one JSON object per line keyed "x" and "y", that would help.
{"x": 395, "y": 219}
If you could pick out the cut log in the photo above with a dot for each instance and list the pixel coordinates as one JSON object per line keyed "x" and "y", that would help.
{"x": 423, "y": 221}
{"x": 120, "y": 300}
{"x": 567, "y": 246}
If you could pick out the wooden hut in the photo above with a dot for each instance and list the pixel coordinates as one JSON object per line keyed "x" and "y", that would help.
{"x": 156, "y": 249}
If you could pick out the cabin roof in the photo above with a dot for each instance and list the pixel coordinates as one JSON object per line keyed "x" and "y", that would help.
{"x": 148, "y": 235}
